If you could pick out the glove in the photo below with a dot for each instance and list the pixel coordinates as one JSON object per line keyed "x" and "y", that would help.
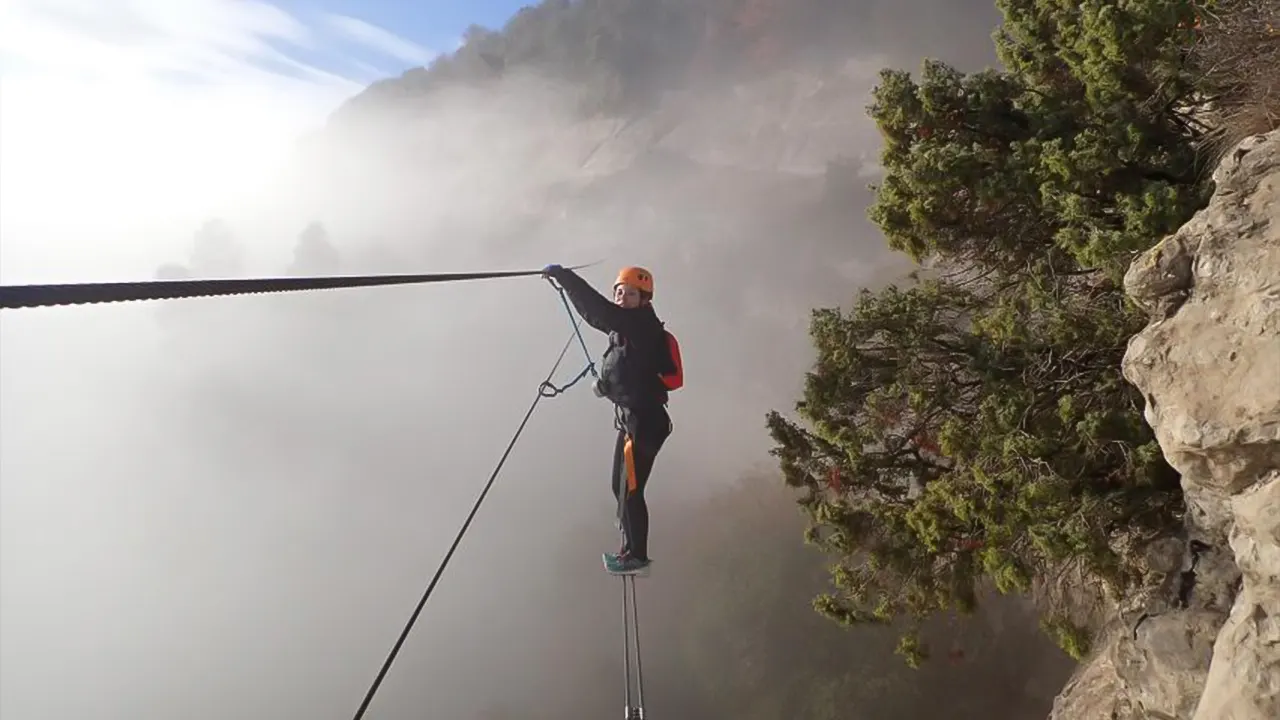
{"x": 551, "y": 271}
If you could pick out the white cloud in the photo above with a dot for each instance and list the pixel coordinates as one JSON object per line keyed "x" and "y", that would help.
{"x": 380, "y": 39}
{"x": 122, "y": 116}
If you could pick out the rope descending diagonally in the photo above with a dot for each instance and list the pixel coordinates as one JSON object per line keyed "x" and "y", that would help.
{"x": 395, "y": 650}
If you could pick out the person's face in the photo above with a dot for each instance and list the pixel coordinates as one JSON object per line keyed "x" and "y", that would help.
{"x": 626, "y": 296}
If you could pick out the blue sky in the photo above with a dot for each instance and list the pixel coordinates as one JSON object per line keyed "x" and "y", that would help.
{"x": 433, "y": 24}
{"x": 353, "y": 39}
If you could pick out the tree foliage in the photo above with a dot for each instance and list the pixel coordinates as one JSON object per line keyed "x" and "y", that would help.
{"x": 974, "y": 427}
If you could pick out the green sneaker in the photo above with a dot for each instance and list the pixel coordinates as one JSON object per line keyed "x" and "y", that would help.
{"x": 626, "y": 564}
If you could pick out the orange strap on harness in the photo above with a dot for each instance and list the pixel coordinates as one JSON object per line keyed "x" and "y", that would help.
{"x": 631, "y": 466}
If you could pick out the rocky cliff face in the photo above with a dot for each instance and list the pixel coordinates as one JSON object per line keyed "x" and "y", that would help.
{"x": 1203, "y": 643}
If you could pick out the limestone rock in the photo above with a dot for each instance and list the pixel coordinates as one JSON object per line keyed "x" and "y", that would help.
{"x": 1205, "y": 643}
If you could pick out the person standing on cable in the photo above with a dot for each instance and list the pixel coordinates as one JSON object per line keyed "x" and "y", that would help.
{"x": 641, "y": 365}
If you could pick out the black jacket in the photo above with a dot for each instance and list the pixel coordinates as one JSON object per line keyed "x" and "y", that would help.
{"x": 638, "y": 351}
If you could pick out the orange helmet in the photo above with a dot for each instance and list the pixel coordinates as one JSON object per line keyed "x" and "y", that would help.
{"x": 636, "y": 277}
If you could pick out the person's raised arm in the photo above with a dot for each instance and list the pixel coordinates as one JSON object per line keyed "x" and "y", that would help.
{"x": 597, "y": 310}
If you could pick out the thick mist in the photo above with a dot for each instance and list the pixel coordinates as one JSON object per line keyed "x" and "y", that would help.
{"x": 228, "y": 507}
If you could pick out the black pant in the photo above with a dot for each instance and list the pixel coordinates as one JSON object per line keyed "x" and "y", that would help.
{"x": 647, "y": 430}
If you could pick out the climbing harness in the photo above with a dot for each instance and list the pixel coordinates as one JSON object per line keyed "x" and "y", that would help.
{"x": 577, "y": 325}
{"x": 547, "y": 388}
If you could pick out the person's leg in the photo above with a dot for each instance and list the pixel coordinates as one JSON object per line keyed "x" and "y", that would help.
{"x": 620, "y": 483}
{"x": 649, "y": 433}
{"x": 637, "y": 508}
